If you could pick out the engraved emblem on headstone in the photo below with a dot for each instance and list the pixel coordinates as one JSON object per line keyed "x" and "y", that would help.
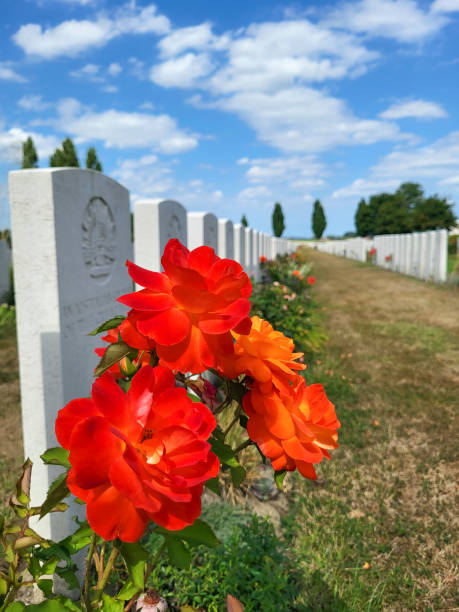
{"x": 174, "y": 228}
{"x": 98, "y": 239}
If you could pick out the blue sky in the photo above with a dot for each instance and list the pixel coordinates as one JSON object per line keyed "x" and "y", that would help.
{"x": 231, "y": 106}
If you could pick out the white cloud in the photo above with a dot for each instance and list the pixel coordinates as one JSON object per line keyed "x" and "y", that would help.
{"x": 445, "y": 6}
{"x": 33, "y": 103}
{"x": 270, "y": 56}
{"x": 254, "y": 193}
{"x": 296, "y": 171}
{"x": 420, "y": 109}
{"x": 145, "y": 177}
{"x": 263, "y": 75}
{"x": 151, "y": 177}
{"x": 137, "y": 68}
{"x": 437, "y": 162}
{"x": 115, "y": 69}
{"x": 362, "y": 188}
{"x": 403, "y": 20}
{"x": 11, "y": 144}
{"x": 147, "y": 106}
{"x": 183, "y": 71}
{"x": 81, "y": 2}
{"x": 89, "y": 72}
{"x": 198, "y": 37}
{"x": 8, "y": 74}
{"x": 306, "y": 120}
{"x": 119, "y": 129}
{"x": 73, "y": 37}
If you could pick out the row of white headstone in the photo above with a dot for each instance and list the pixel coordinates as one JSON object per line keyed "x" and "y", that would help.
{"x": 71, "y": 238}
{"x": 420, "y": 254}
{"x": 155, "y": 222}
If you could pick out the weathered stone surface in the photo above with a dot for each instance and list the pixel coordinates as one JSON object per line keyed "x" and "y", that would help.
{"x": 71, "y": 238}
{"x": 225, "y": 239}
{"x": 155, "y": 223}
{"x": 202, "y": 230}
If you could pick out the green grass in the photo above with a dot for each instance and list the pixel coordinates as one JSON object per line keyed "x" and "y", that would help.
{"x": 376, "y": 531}
{"x": 453, "y": 260}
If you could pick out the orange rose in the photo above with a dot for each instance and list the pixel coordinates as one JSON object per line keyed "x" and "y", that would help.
{"x": 294, "y": 430}
{"x": 189, "y": 310}
{"x": 138, "y": 456}
{"x": 266, "y": 355}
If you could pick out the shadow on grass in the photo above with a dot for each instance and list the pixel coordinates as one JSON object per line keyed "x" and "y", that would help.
{"x": 319, "y": 597}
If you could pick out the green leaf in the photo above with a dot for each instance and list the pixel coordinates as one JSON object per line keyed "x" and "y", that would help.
{"x": 35, "y": 567}
{"x": 179, "y": 554}
{"x": 213, "y": 485}
{"x": 78, "y": 540}
{"x": 135, "y": 558}
{"x": 111, "y": 605}
{"x": 57, "y": 492}
{"x": 16, "y": 607}
{"x": 110, "y": 324}
{"x": 114, "y": 353}
{"x": 243, "y": 420}
{"x": 238, "y": 475}
{"x": 129, "y": 590}
{"x": 224, "y": 452}
{"x": 46, "y": 585}
{"x": 197, "y": 533}
{"x": 69, "y": 577}
{"x": 56, "y": 456}
{"x": 3, "y": 586}
{"x": 9, "y": 554}
{"x": 49, "y": 566}
{"x": 279, "y": 478}
{"x": 23, "y": 485}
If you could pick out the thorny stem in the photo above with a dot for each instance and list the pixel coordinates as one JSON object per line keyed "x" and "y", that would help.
{"x": 242, "y": 446}
{"x": 106, "y": 574}
{"x": 233, "y": 422}
{"x": 86, "y": 599}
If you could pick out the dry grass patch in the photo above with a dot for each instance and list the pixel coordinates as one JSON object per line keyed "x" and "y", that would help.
{"x": 381, "y": 531}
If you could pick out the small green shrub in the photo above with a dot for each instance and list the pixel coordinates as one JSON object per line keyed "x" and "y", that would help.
{"x": 283, "y": 298}
{"x": 7, "y": 320}
{"x": 252, "y": 564}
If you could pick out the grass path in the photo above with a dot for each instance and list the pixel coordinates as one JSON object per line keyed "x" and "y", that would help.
{"x": 378, "y": 530}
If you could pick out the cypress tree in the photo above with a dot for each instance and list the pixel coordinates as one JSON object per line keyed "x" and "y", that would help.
{"x": 29, "y": 154}
{"x": 92, "y": 161}
{"x": 65, "y": 157}
{"x": 319, "y": 223}
{"x": 244, "y": 221}
{"x": 278, "y": 220}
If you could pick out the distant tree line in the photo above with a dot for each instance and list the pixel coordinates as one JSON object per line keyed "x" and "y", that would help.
{"x": 63, "y": 157}
{"x": 406, "y": 210}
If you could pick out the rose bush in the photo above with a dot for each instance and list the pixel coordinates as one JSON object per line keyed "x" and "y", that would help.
{"x": 140, "y": 450}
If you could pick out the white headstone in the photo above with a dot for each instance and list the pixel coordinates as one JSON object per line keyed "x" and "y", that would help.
{"x": 239, "y": 244}
{"x": 442, "y": 268}
{"x": 202, "y": 230}
{"x": 155, "y": 223}
{"x": 249, "y": 267}
{"x": 71, "y": 239}
{"x": 225, "y": 239}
